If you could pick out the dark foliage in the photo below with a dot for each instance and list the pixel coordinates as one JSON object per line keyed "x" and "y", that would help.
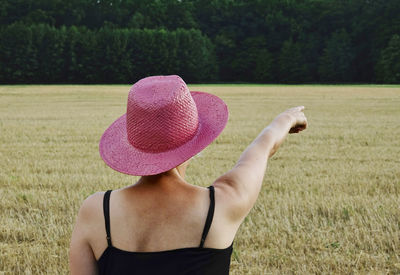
{"x": 40, "y": 53}
{"x": 266, "y": 41}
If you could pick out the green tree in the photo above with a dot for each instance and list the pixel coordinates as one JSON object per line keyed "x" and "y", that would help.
{"x": 301, "y": 41}
{"x": 388, "y": 67}
{"x": 112, "y": 55}
{"x": 253, "y": 61}
{"x": 226, "y": 50}
{"x": 80, "y": 56}
{"x": 17, "y": 54}
{"x": 292, "y": 67}
{"x": 39, "y": 16}
{"x": 48, "y": 43}
{"x": 151, "y": 51}
{"x": 336, "y": 60}
{"x": 196, "y": 56}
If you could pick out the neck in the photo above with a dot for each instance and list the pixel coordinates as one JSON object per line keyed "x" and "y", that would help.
{"x": 176, "y": 174}
{"x": 173, "y": 175}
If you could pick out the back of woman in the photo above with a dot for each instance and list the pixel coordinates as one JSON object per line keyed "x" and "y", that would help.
{"x": 163, "y": 224}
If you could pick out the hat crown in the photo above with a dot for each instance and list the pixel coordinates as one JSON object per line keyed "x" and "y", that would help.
{"x": 161, "y": 114}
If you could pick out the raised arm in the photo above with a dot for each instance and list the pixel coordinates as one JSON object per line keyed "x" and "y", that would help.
{"x": 241, "y": 185}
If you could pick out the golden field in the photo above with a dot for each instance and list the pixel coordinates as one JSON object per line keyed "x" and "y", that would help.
{"x": 330, "y": 202}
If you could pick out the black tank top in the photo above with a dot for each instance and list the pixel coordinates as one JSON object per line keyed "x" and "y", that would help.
{"x": 193, "y": 261}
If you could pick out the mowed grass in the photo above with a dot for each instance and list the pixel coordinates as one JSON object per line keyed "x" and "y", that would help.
{"x": 330, "y": 202}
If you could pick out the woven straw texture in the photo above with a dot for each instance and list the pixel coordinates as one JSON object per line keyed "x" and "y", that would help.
{"x": 165, "y": 125}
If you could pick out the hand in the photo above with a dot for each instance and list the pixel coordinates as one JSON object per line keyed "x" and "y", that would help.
{"x": 297, "y": 119}
{"x": 290, "y": 121}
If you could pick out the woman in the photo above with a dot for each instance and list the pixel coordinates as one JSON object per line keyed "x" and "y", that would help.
{"x": 163, "y": 224}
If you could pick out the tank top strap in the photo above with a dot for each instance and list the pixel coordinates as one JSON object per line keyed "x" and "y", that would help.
{"x": 210, "y": 216}
{"x": 106, "y": 210}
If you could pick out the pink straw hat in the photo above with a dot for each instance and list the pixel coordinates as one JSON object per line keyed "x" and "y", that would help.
{"x": 165, "y": 125}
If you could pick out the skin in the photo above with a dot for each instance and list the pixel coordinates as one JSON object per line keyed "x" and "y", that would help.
{"x": 142, "y": 215}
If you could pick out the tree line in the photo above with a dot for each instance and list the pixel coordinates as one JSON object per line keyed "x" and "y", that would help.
{"x": 42, "y": 53}
{"x": 266, "y": 41}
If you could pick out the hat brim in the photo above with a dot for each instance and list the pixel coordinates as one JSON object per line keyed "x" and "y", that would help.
{"x": 120, "y": 155}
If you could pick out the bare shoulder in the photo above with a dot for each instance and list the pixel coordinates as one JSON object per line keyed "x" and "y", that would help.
{"x": 93, "y": 201}
{"x": 82, "y": 254}
{"x": 234, "y": 204}
{"x": 88, "y": 227}
{"x": 90, "y": 216}
{"x": 91, "y": 207}
{"x": 227, "y": 216}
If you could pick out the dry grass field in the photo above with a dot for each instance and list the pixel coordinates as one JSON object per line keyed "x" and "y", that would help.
{"x": 330, "y": 202}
